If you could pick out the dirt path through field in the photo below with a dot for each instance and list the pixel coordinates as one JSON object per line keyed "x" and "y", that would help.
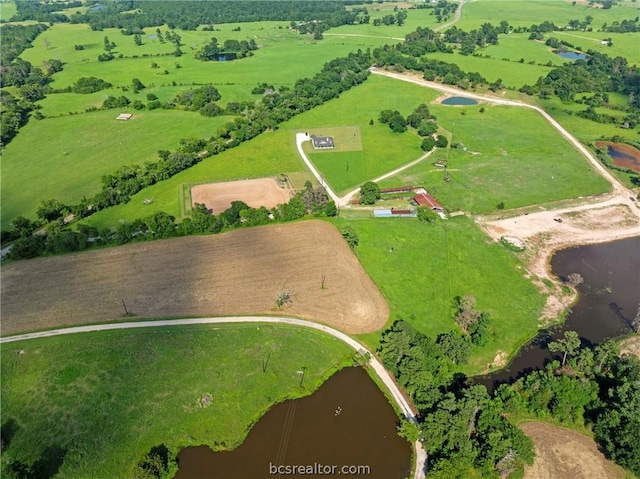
{"x": 565, "y": 454}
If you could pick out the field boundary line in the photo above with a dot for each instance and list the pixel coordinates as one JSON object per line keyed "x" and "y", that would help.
{"x": 376, "y": 365}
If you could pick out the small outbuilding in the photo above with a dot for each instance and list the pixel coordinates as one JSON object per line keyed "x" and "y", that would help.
{"x": 124, "y": 116}
{"x": 322, "y": 142}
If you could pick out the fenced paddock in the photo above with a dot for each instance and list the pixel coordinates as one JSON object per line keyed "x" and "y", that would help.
{"x": 255, "y": 193}
{"x": 345, "y": 138}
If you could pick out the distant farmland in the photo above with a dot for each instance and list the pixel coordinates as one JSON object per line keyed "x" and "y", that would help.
{"x": 240, "y": 272}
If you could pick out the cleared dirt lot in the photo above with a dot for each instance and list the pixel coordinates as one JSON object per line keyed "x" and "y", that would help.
{"x": 255, "y": 193}
{"x": 234, "y": 273}
{"x": 565, "y": 454}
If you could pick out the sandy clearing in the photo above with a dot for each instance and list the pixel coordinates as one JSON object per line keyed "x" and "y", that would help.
{"x": 631, "y": 346}
{"x": 234, "y": 273}
{"x": 562, "y": 453}
{"x": 255, "y": 193}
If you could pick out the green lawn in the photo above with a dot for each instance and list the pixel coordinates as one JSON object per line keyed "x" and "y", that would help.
{"x": 513, "y": 156}
{"x": 65, "y": 158}
{"x": 433, "y": 263}
{"x": 108, "y": 398}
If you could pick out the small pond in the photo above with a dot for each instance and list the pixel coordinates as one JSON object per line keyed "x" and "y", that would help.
{"x": 571, "y": 55}
{"x": 623, "y": 155}
{"x": 347, "y": 422}
{"x": 459, "y": 100}
{"x": 608, "y": 302}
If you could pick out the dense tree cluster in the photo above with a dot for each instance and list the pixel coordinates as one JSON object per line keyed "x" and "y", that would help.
{"x": 464, "y": 431}
{"x": 43, "y": 11}
{"x": 369, "y": 193}
{"x": 593, "y": 387}
{"x": 599, "y": 73}
{"x": 229, "y": 50}
{"x": 442, "y": 10}
{"x": 468, "y": 41}
{"x": 134, "y": 15}
{"x": 32, "y": 82}
{"x": 15, "y": 39}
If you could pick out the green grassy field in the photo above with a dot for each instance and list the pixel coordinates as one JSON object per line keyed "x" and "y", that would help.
{"x": 512, "y": 73}
{"x": 517, "y": 45}
{"x": 527, "y": 12}
{"x": 267, "y": 155}
{"x": 65, "y": 158}
{"x": 280, "y": 49}
{"x": 275, "y": 152}
{"x": 7, "y": 10}
{"x": 107, "y": 398}
{"x": 513, "y": 156}
{"x": 433, "y": 263}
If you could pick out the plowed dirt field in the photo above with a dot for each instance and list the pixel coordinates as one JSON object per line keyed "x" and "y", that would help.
{"x": 234, "y": 273}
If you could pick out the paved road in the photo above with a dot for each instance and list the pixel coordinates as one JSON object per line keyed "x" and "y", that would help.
{"x": 375, "y": 364}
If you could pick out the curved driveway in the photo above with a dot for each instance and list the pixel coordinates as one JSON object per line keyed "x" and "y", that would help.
{"x": 375, "y": 364}
{"x": 618, "y": 189}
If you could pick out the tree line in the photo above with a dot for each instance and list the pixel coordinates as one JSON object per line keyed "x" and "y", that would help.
{"x": 336, "y": 76}
{"x": 57, "y": 237}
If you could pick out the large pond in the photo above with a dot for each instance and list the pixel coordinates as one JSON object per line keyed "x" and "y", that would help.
{"x": 347, "y": 422}
{"x": 459, "y": 100}
{"x": 608, "y": 302}
{"x": 571, "y": 55}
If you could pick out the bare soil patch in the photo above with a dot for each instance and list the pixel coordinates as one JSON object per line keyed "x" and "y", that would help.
{"x": 631, "y": 346}
{"x": 255, "y": 193}
{"x": 234, "y": 273}
{"x": 562, "y": 453}
{"x": 609, "y": 218}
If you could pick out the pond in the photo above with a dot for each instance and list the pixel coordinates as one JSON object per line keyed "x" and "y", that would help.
{"x": 623, "y": 155}
{"x": 571, "y": 55}
{"x": 459, "y": 100}
{"x": 348, "y": 422}
{"x": 608, "y": 302}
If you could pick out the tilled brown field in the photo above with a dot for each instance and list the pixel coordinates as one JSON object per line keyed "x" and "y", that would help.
{"x": 234, "y": 273}
{"x": 565, "y": 454}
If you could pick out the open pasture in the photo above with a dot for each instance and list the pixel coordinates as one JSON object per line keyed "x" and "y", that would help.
{"x": 279, "y": 49}
{"x": 273, "y": 153}
{"x": 382, "y": 150}
{"x": 270, "y": 154}
{"x": 421, "y": 267}
{"x": 527, "y": 12}
{"x": 415, "y": 18}
{"x": 234, "y": 273}
{"x": 513, "y": 157}
{"x": 7, "y": 10}
{"x": 65, "y": 158}
{"x": 255, "y": 193}
{"x": 105, "y": 399}
{"x": 516, "y": 46}
{"x": 512, "y": 73}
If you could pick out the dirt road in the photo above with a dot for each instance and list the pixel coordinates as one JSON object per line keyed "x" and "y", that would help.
{"x": 375, "y": 364}
{"x": 615, "y": 216}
